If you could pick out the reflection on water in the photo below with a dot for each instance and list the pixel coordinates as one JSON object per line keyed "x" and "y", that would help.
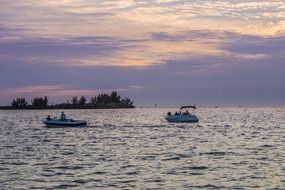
{"x": 231, "y": 148}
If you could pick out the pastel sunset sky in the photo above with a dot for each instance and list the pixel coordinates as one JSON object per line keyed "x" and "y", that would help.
{"x": 168, "y": 52}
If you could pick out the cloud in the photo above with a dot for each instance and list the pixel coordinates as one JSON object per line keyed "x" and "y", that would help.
{"x": 251, "y": 56}
{"x": 108, "y": 51}
{"x": 156, "y": 50}
{"x": 136, "y": 18}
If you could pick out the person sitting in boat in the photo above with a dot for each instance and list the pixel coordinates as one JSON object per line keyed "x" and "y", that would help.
{"x": 48, "y": 117}
{"x": 169, "y": 113}
{"x": 186, "y": 113}
{"x": 176, "y": 113}
{"x": 62, "y": 116}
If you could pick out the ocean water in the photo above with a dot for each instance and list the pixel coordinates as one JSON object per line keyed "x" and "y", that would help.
{"x": 230, "y": 148}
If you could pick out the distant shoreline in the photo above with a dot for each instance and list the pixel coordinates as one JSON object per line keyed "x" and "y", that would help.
{"x": 102, "y": 101}
{"x": 67, "y": 108}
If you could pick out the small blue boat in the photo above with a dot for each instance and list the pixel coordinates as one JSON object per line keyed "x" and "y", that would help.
{"x": 183, "y": 116}
{"x": 56, "y": 123}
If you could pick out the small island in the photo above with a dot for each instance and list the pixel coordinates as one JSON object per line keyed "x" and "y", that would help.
{"x": 102, "y": 101}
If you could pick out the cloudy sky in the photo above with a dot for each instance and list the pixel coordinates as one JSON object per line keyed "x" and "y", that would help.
{"x": 168, "y": 52}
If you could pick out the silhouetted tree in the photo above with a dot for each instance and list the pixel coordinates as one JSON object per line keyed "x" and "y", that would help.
{"x": 82, "y": 101}
{"x": 93, "y": 100}
{"x": 103, "y": 99}
{"x": 74, "y": 100}
{"x": 115, "y": 98}
{"x": 39, "y": 102}
{"x": 127, "y": 101}
{"x": 45, "y": 101}
{"x": 19, "y": 103}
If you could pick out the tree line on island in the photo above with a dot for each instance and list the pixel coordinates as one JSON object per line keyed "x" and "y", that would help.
{"x": 112, "y": 100}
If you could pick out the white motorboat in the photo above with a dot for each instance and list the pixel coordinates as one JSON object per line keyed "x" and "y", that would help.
{"x": 183, "y": 116}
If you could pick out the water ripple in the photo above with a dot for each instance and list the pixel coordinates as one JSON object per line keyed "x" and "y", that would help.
{"x": 231, "y": 148}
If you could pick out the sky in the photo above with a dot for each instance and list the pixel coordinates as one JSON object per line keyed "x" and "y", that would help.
{"x": 164, "y": 52}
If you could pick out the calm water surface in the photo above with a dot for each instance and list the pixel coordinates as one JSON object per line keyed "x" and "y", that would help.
{"x": 231, "y": 148}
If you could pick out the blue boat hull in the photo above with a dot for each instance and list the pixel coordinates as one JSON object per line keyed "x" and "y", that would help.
{"x": 182, "y": 118}
{"x": 64, "y": 123}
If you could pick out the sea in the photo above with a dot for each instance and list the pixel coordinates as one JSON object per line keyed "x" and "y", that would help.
{"x": 230, "y": 148}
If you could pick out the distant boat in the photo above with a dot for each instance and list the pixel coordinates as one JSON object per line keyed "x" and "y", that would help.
{"x": 183, "y": 116}
{"x": 57, "y": 123}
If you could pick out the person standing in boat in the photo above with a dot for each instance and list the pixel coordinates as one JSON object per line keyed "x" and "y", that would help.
{"x": 62, "y": 116}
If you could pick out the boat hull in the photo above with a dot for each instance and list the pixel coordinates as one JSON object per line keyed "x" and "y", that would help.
{"x": 182, "y": 118}
{"x": 64, "y": 123}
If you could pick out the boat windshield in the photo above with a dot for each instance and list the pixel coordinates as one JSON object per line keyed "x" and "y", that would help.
{"x": 186, "y": 107}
